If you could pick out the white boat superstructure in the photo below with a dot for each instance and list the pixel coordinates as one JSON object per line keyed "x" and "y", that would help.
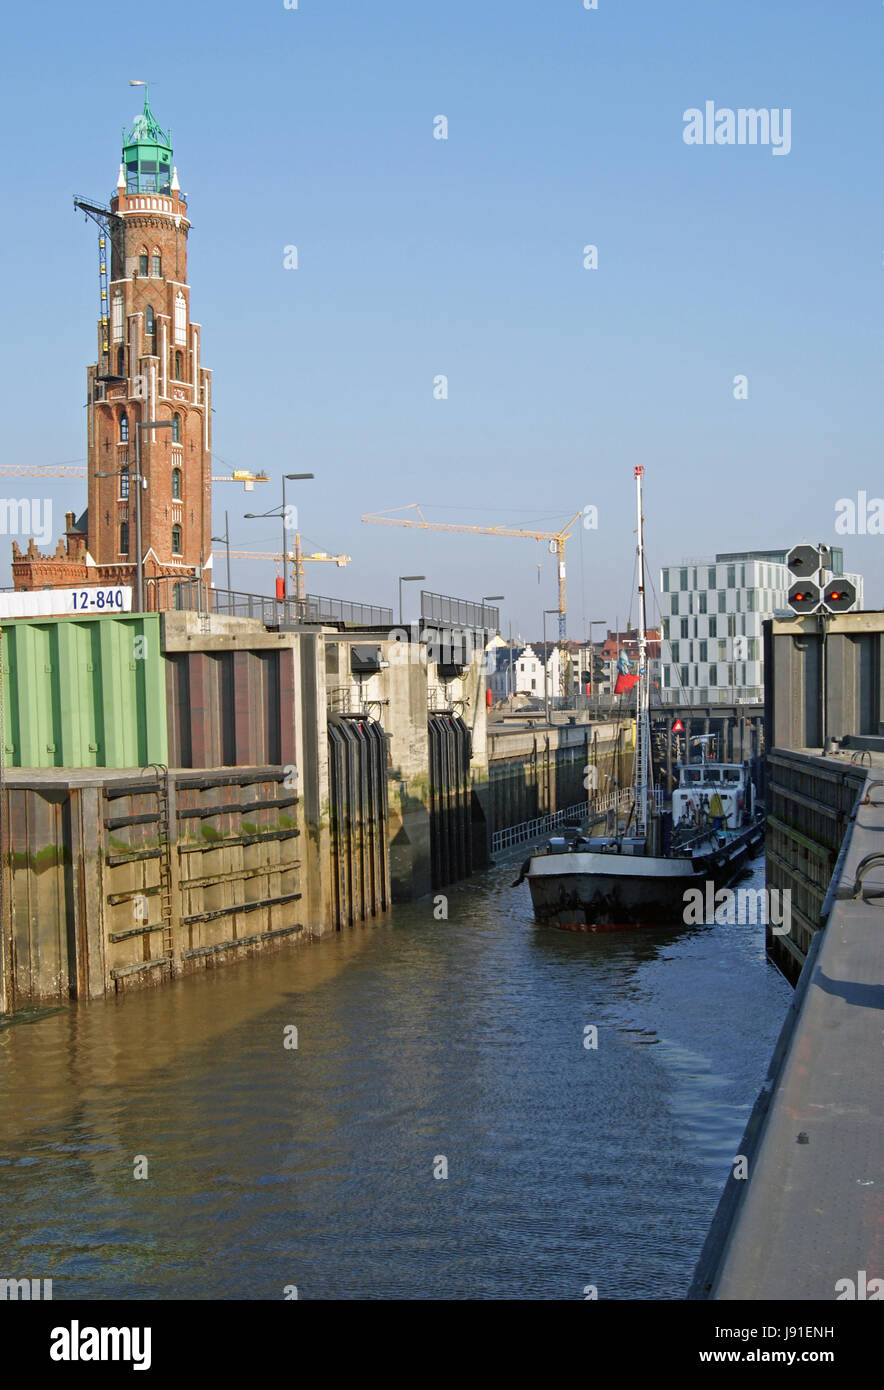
{"x": 710, "y": 792}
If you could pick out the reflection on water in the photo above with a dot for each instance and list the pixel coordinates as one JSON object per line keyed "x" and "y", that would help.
{"x": 418, "y": 1040}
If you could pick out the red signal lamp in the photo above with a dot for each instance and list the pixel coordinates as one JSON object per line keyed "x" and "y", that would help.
{"x": 840, "y": 596}
{"x": 804, "y": 598}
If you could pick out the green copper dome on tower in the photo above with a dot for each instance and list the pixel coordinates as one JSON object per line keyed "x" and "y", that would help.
{"x": 147, "y": 154}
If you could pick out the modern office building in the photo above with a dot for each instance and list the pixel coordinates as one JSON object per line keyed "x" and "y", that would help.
{"x": 712, "y": 611}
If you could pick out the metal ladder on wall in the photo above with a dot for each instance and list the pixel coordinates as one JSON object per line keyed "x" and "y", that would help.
{"x": 164, "y": 841}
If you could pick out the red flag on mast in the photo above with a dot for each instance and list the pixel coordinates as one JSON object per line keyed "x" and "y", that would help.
{"x": 624, "y": 682}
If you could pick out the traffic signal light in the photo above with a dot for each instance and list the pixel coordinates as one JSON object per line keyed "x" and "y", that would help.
{"x": 805, "y": 561}
{"x": 817, "y": 590}
{"x": 839, "y": 595}
{"x": 804, "y": 597}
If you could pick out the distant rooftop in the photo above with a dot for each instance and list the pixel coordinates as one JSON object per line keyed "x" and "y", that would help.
{"x": 771, "y": 557}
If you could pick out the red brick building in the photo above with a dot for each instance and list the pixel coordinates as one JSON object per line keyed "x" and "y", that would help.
{"x": 628, "y": 642}
{"x": 149, "y": 368}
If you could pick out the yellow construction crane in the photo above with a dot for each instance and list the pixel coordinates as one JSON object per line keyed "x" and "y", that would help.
{"x": 68, "y": 470}
{"x": 296, "y": 557}
{"x": 242, "y": 475}
{"x": 49, "y": 470}
{"x": 556, "y": 540}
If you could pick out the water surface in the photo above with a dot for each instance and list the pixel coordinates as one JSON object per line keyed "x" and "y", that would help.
{"x": 419, "y": 1040}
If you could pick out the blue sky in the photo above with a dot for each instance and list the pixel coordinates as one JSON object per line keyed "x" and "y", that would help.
{"x": 417, "y": 257}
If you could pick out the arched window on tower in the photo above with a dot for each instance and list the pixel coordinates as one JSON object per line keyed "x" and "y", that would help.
{"x": 117, "y": 317}
{"x": 124, "y": 538}
{"x": 150, "y": 330}
{"x": 180, "y": 319}
{"x": 156, "y": 263}
{"x": 142, "y": 261}
{"x": 124, "y": 482}
{"x": 121, "y": 361}
{"x": 176, "y": 428}
{"x": 124, "y": 429}
{"x": 179, "y": 367}
{"x": 176, "y": 484}
{"x": 176, "y": 540}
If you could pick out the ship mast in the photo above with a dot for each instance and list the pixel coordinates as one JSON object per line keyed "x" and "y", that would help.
{"x": 642, "y": 776}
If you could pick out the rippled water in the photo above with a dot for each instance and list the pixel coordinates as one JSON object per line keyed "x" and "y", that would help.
{"x": 418, "y": 1040}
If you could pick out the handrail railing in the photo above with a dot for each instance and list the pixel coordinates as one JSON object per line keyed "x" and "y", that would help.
{"x": 592, "y": 810}
{"x": 188, "y": 595}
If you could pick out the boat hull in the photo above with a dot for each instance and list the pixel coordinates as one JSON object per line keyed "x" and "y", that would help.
{"x": 588, "y": 891}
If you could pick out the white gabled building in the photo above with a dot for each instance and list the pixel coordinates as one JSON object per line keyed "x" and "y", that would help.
{"x": 521, "y": 672}
{"x": 712, "y": 612}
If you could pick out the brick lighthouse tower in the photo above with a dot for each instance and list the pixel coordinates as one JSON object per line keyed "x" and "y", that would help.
{"x": 148, "y": 368}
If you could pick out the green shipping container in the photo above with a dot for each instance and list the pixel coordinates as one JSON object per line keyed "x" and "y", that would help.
{"x": 83, "y": 692}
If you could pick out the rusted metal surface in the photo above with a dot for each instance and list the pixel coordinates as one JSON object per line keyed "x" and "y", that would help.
{"x": 451, "y": 840}
{"x": 230, "y": 708}
{"x": 810, "y": 804}
{"x": 183, "y": 869}
{"x": 359, "y": 819}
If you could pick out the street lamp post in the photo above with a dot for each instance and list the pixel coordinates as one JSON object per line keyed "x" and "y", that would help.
{"x": 255, "y": 516}
{"x": 291, "y": 477}
{"x": 407, "y": 579}
{"x": 491, "y": 598}
{"x": 226, "y": 539}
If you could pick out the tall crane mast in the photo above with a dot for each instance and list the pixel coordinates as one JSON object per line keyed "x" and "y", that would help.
{"x": 110, "y": 229}
{"x": 296, "y": 558}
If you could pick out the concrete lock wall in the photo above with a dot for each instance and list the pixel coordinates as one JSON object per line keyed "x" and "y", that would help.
{"x": 811, "y": 802}
{"x": 535, "y": 771}
{"x": 824, "y": 720}
{"x": 284, "y": 812}
{"x": 823, "y": 679}
{"x": 430, "y": 797}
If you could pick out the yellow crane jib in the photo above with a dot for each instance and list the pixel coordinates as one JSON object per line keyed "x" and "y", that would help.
{"x": 557, "y": 539}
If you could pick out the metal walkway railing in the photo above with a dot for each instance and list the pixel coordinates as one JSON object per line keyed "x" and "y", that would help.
{"x": 185, "y": 594}
{"x": 533, "y": 829}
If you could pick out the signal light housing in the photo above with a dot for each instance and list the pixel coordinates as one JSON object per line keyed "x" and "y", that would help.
{"x": 804, "y": 597}
{"x": 839, "y": 596}
{"x": 808, "y": 559}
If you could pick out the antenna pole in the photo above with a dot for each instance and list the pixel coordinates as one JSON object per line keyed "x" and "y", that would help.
{"x": 643, "y": 781}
